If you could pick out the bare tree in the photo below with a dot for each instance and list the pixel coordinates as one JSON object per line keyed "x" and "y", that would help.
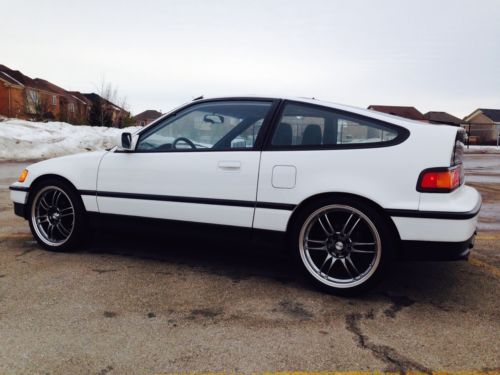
{"x": 102, "y": 112}
{"x": 112, "y": 109}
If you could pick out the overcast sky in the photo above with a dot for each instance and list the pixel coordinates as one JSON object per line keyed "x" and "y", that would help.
{"x": 435, "y": 55}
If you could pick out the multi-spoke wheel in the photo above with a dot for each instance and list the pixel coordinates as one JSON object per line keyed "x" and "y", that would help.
{"x": 340, "y": 244}
{"x": 56, "y": 215}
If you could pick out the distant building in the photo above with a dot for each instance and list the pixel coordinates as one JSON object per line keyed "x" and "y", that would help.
{"x": 64, "y": 110}
{"x": 38, "y": 99}
{"x": 146, "y": 117}
{"x": 116, "y": 113}
{"x": 83, "y": 106}
{"x": 402, "y": 111}
{"x": 28, "y": 98}
{"x": 435, "y": 117}
{"x": 483, "y": 126}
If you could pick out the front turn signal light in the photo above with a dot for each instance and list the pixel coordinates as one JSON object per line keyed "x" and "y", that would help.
{"x": 23, "y": 175}
{"x": 440, "y": 180}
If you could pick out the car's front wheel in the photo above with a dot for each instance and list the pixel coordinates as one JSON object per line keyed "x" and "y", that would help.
{"x": 343, "y": 244}
{"x": 57, "y": 216}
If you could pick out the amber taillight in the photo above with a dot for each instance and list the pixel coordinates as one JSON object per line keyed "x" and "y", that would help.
{"x": 447, "y": 179}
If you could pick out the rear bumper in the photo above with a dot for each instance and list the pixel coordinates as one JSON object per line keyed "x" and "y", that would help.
{"x": 438, "y": 251}
{"x": 439, "y": 235}
{"x": 440, "y": 226}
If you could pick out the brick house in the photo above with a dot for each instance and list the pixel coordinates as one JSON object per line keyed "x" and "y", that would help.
{"x": 402, "y": 111}
{"x": 27, "y": 98}
{"x": 116, "y": 113}
{"x": 22, "y": 97}
{"x": 483, "y": 126}
{"x": 66, "y": 106}
{"x": 83, "y": 106}
{"x": 146, "y": 117}
{"x": 12, "y": 94}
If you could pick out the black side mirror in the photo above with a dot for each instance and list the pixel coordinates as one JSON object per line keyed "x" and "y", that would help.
{"x": 126, "y": 141}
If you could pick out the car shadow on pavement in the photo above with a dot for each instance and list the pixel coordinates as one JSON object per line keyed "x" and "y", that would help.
{"x": 238, "y": 262}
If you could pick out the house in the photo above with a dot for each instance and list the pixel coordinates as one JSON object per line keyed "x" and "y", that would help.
{"x": 64, "y": 108}
{"x": 104, "y": 112}
{"x": 402, "y": 111}
{"x": 146, "y": 117}
{"x": 83, "y": 106}
{"x": 483, "y": 126}
{"x": 435, "y": 117}
{"x": 24, "y": 97}
{"x": 12, "y": 92}
{"x": 28, "y": 98}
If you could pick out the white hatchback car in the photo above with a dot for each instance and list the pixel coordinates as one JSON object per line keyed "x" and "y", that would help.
{"x": 344, "y": 189}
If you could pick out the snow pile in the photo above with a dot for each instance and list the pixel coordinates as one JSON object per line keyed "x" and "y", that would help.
{"x": 25, "y": 140}
{"x": 473, "y": 149}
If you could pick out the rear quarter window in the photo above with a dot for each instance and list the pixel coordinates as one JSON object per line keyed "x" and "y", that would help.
{"x": 310, "y": 126}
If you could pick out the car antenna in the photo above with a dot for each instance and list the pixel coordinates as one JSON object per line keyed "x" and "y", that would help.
{"x": 198, "y": 98}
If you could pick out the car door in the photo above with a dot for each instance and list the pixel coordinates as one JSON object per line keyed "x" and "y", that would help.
{"x": 199, "y": 164}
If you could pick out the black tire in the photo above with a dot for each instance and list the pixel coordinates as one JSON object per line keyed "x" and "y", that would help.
{"x": 47, "y": 233}
{"x": 337, "y": 247}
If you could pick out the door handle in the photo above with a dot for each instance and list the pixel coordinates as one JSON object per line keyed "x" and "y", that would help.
{"x": 228, "y": 165}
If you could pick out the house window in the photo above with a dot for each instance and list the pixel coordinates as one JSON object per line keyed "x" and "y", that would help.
{"x": 32, "y": 101}
{"x": 72, "y": 107}
{"x": 54, "y": 100}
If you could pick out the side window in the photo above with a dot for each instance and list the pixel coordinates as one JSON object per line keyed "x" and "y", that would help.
{"x": 303, "y": 125}
{"x": 208, "y": 126}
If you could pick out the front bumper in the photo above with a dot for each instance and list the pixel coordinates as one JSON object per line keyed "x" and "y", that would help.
{"x": 20, "y": 210}
{"x": 19, "y": 196}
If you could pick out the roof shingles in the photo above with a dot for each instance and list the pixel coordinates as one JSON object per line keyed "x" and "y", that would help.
{"x": 402, "y": 111}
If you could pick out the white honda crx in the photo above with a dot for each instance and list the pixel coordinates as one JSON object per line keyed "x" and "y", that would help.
{"x": 344, "y": 189}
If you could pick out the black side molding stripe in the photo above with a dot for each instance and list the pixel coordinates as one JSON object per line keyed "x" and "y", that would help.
{"x": 87, "y": 192}
{"x": 19, "y": 188}
{"x": 170, "y": 198}
{"x": 276, "y": 206}
{"x": 435, "y": 214}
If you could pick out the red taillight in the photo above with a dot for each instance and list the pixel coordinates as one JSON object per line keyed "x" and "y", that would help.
{"x": 440, "y": 180}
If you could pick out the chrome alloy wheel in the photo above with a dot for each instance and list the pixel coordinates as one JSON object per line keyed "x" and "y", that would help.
{"x": 340, "y": 246}
{"x": 53, "y": 215}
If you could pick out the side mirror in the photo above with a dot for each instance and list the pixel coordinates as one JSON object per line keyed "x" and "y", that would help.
{"x": 127, "y": 141}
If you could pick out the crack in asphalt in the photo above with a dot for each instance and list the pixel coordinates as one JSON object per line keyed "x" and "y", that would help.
{"x": 27, "y": 251}
{"x": 394, "y": 360}
{"x": 101, "y": 271}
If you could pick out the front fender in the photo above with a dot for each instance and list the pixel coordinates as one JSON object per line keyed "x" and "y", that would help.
{"x": 80, "y": 170}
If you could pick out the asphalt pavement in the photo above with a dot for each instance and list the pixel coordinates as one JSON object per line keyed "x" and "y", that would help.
{"x": 132, "y": 303}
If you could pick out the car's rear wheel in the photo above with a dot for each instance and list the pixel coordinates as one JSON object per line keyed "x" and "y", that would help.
{"x": 57, "y": 216}
{"x": 343, "y": 244}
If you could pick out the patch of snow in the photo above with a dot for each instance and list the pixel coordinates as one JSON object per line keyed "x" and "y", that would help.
{"x": 473, "y": 149}
{"x": 25, "y": 140}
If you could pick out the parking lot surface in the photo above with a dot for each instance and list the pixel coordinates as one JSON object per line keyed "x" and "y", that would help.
{"x": 155, "y": 304}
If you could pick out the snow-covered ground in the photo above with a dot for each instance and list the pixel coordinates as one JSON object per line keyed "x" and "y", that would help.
{"x": 25, "y": 140}
{"x": 473, "y": 149}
